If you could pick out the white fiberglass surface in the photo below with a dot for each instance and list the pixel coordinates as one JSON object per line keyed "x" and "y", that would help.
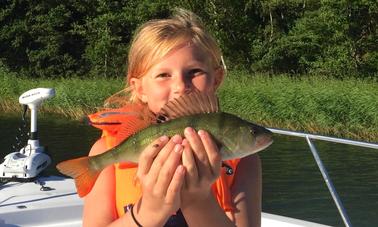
{"x": 54, "y": 202}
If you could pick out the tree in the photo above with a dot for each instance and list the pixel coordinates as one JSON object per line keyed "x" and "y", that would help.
{"x": 37, "y": 40}
{"x": 62, "y": 38}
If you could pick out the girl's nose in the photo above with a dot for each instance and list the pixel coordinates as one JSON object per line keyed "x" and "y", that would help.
{"x": 181, "y": 86}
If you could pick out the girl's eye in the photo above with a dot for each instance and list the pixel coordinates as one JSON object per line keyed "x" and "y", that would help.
{"x": 162, "y": 75}
{"x": 196, "y": 72}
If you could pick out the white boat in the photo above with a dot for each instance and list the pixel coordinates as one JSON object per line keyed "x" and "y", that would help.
{"x": 53, "y": 202}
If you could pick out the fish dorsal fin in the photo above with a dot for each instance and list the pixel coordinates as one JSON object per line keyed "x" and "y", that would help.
{"x": 189, "y": 104}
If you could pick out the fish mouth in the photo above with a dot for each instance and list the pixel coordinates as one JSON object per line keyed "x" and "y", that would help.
{"x": 264, "y": 138}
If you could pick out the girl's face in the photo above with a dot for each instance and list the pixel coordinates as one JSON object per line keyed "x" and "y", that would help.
{"x": 182, "y": 71}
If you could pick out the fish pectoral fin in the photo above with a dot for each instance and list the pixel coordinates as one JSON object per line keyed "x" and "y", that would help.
{"x": 131, "y": 127}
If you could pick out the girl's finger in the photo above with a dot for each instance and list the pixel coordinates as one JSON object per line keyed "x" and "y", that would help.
{"x": 177, "y": 181}
{"x": 198, "y": 150}
{"x": 189, "y": 163}
{"x": 168, "y": 169}
{"x": 212, "y": 150}
{"x": 161, "y": 158}
{"x": 149, "y": 154}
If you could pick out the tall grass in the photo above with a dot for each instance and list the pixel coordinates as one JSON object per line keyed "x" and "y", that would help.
{"x": 343, "y": 108}
{"x": 74, "y": 98}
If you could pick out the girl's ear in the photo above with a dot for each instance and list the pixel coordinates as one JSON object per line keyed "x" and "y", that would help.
{"x": 137, "y": 88}
{"x": 219, "y": 76}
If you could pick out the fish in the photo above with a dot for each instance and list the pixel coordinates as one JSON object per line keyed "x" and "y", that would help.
{"x": 235, "y": 137}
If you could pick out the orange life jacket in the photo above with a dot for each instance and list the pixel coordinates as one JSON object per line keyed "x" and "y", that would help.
{"x": 126, "y": 190}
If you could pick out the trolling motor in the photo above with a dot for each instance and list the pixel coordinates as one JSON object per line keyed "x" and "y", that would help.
{"x": 30, "y": 160}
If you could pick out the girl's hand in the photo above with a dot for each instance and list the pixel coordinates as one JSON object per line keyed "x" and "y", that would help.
{"x": 202, "y": 161}
{"x": 161, "y": 176}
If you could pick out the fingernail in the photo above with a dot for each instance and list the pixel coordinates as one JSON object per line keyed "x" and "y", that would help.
{"x": 177, "y": 148}
{"x": 176, "y": 139}
{"x": 188, "y": 130}
{"x": 201, "y": 132}
{"x": 163, "y": 138}
{"x": 181, "y": 169}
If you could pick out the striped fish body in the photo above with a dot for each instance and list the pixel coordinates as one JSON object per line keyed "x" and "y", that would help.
{"x": 236, "y": 137}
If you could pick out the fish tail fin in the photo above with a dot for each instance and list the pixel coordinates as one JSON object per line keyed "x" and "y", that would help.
{"x": 79, "y": 169}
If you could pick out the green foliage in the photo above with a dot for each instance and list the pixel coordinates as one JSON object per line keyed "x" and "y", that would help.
{"x": 109, "y": 30}
{"x": 70, "y": 38}
{"x": 36, "y": 38}
{"x": 52, "y": 38}
{"x": 315, "y": 104}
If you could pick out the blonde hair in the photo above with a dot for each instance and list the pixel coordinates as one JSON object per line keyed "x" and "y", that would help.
{"x": 156, "y": 38}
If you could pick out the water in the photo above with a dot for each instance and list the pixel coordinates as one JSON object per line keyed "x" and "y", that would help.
{"x": 292, "y": 183}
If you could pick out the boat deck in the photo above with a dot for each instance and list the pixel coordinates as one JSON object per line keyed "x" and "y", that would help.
{"x": 53, "y": 202}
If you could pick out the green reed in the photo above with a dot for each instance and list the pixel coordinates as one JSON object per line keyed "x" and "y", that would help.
{"x": 344, "y": 108}
{"x": 74, "y": 98}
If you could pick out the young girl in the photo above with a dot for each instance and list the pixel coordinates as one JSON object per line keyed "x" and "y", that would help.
{"x": 180, "y": 180}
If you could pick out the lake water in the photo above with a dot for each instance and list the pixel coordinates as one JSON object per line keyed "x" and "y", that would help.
{"x": 292, "y": 183}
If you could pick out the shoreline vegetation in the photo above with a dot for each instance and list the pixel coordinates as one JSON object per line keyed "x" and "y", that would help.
{"x": 346, "y": 108}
